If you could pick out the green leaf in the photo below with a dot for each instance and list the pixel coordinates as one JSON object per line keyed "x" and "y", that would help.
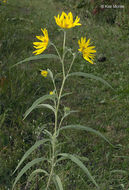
{"x": 82, "y": 158}
{"x": 66, "y": 94}
{"x": 37, "y": 171}
{"x": 46, "y": 106}
{"x": 85, "y": 159}
{"x": 80, "y": 164}
{"x": 37, "y": 57}
{"x": 48, "y": 133}
{"x": 50, "y": 74}
{"x": 60, "y": 159}
{"x": 119, "y": 171}
{"x": 37, "y": 102}
{"x": 38, "y": 143}
{"x": 68, "y": 113}
{"x": 80, "y": 127}
{"x": 58, "y": 182}
{"x": 55, "y": 182}
{"x": 28, "y": 166}
{"x": 81, "y": 74}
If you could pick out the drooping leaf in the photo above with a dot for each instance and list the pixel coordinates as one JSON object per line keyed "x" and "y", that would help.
{"x": 37, "y": 102}
{"x": 28, "y": 166}
{"x": 82, "y": 158}
{"x": 87, "y": 75}
{"x": 58, "y": 182}
{"x": 60, "y": 159}
{"x": 28, "y": 152}
{"x": 69, "y": 112}
{"x": 37, "y": 171}
{"x": 80, "y": 164}
{"x": 66, "y": 94}
{"x": 46, "y": 106}
{"x": 81, "y": 127}
{"x": 37, "y": 57}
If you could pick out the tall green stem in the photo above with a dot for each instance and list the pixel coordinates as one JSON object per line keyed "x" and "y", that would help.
{"x": 63, "y": 69}
{"x": 52, "y": 161}
{"x": 56, "y": 112}
{"x": 62, "y": 85}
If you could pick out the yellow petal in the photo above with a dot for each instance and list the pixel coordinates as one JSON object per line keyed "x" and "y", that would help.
{"x": 89, "y": 60}
{"x": 70, "y": 16}
{"x": 40, "y": 38}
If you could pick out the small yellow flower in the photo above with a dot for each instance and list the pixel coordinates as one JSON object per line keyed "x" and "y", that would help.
{"x": 66, "y": 21}
{"x": 51, "y": 92}
{"x": 41, "y": 46}
{"x": 87, "y": 50}
{"x": 44, "y": 73}
{"x": 4, "y": 1}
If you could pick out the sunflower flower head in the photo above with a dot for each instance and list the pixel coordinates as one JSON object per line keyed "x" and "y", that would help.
{"x": 44, "y": 73}
{"x": 66, "y": 21}
{"x": 41, "y": 46}
{"x": 87, "y": 50}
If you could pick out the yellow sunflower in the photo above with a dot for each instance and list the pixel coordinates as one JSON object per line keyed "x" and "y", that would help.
{"x": 87, "y": 50}
{"x": 51, "y": 92}
{"x": 44, "y": 73}
{"x": 41, "y": 46}
{"x": 66, "y": 21}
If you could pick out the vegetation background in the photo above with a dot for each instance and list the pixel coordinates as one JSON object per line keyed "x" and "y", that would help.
{"x": 99, "y": 107}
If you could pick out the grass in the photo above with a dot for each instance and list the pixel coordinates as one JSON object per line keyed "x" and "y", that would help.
{"x": 99, "y": 107}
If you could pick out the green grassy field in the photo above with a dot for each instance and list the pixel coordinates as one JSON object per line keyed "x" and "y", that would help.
{"x": 100, "y": 107}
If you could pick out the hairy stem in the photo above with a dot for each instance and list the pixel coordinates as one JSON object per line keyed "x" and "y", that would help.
{"x": 63, "y": 69}
{"x": 53, "y": 161}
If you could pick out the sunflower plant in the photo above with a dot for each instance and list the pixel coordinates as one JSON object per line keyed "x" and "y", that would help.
{"x": 65, "y": 22}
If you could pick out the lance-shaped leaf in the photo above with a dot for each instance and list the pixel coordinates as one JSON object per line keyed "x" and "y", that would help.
{"x": 35, "y": 172}
{"x": 28, "y": 166}
{"x": 66, "y": 94}
{"x": 46, "y": 106}
{"x": 119, "y": 171}
{"x": 37, "y": 102}
{"x": 87, "y": 75}
{"x": 68, "y": 113}
{"x": 37, "y": 57}
{"x": 64, "y": 116}
{"x": 82, "y": 158}
{"x": 28, "y": 152}
{"x": 57, "y": 182}
{"x": 50, "y": 74}
{"x": 80, "y": 164}
{"x": 46, "y": 132}
{"x": 81, "y": 127}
